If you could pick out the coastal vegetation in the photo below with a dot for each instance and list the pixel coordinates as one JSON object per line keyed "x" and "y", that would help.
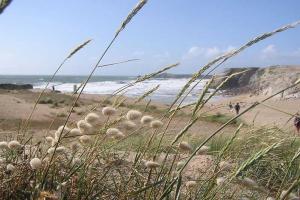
{"x": 123, "y": 149}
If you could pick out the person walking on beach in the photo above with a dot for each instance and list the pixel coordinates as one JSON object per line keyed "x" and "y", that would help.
{"x": 230, "y": 106}
{"x": 297, "y": 122}
{"x": 237, "y": 108}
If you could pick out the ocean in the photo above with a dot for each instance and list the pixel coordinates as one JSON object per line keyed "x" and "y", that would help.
{"x": 166, "y": 93}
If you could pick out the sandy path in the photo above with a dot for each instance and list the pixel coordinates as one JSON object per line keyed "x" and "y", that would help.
{"x": 262, "y": 115}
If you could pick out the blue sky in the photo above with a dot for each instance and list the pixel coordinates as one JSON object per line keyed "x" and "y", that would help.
{"x": 36, "y": 35}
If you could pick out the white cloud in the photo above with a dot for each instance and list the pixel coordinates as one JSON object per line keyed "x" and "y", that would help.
{"x": 205, "y": 52}
{"x": 269, "y": 51}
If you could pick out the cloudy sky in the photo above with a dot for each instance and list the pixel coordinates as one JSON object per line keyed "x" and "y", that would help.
{"x": 36, "y": 35}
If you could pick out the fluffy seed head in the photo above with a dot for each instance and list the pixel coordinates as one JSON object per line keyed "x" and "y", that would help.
{"x": 147, "y": 119}
{"x": 129, "y": 125}
{"x": 180, "y": 164}
{"x": 92, "y": 118}
{"x": 152, "y": 164}
{"x": 249, "y": 182}
{"x": 119, "y": 135}
{"x": 220, "y": 180}
{"x": 290, "y": 196}
{"x": 156, "y": 124}
{"x": 50, "y": 150}
{"x": 35, "y": 163}
{"x": 225, "y": 166}
{"x": 76, "y": 161}
{"x": 75, "y": 132}
{"x": 84, "y": 127}
{"x": 14, "y": 145}
{"x": 3, "y": 145}
{"x": 10, "y": 167}
{"x": 191, "y": 184}
{"x": 85, "y": 139}
{"x": 184, "y": 146}
{"x": 2, "y": 161}
{"x": 270, "y": 198}
{"x": 61, "y": 130}
{"x": 75, "y": 146}
{"x": 54, "y": 142}
{"x": 112, "y": 131}
{"x": 109, "y": 111}
{"x": 49, "y": 140}
{"x": 133, "y": 114}
{"x": 61, "y": 149}
{"x": 203, "y": 150}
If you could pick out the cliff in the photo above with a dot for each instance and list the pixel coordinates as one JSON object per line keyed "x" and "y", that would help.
{"x": 257, "y": 81}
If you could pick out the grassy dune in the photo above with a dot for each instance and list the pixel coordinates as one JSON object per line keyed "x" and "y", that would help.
{"x": 119, "y": 150}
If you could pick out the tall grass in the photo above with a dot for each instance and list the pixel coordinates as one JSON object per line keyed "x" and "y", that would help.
{"x": 126, "y": 154}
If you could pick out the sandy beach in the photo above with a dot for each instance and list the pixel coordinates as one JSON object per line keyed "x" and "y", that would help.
{"x": 16, "y": 105}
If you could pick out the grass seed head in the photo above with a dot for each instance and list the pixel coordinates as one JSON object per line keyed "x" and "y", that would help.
{"x": 220, "y": 180}
{"x": 203, "y": 150}
{"x": 152, "y": 164}
{"x": 147, "y": 119}
{"x": 84, "y": 127}
{"x": 50, "y": 150}
{"x": 156, "y": 124}
{"x": 270, "y": 198}
{"x": 119, "y": 135}
{"x": 75, "y": 132}
{"x": 184, "y": 146}
{"x": 75, "y": 146}
{"x": 85, "y": 139}
{"x": 14, "y": 145}
{"x": 129, "y": 125}
{"x": 61, "y": 130}
{"x": 10, "y": 167}
{"x": 133, "y": 114}
{"x": 3, "y": 145}
{"x": 109, "y": 111}
{"x": 92, "y": 118}
{"x": 112, "y": 131}
{"x": 49, "y": 140}
{"x": 225, "y": 166}
{"x": 35, "y": 163}
{"x": 291, "y": 196}
{"x": 180, "y": 164}
{"x": 76, "y": 161}
{"x": 248, "y": 182}
{"x": 61, "y": 150}
{"x": 191, "y": 184}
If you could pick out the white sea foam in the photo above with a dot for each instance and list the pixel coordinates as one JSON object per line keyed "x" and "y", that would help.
{"x": 167, "y": 91}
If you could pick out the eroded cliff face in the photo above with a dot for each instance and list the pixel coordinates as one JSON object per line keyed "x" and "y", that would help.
{"x": 258, "y": 81}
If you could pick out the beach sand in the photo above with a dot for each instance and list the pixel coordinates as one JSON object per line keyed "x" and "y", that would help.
{"x": 16, "y": 105}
